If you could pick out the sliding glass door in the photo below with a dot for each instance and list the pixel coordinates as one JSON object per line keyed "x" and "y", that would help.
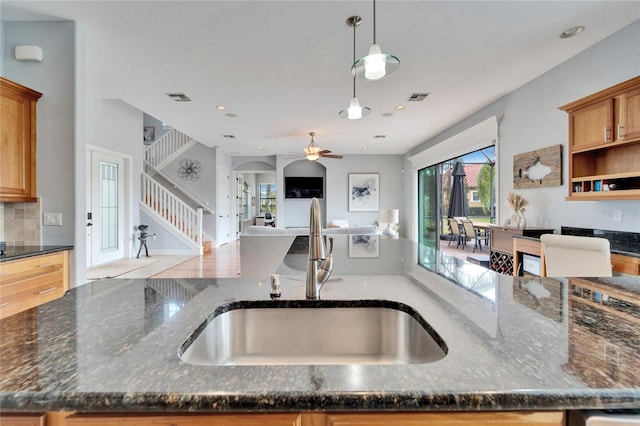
{"x": 428, "y": 208}
{"x": 434, "y": 191}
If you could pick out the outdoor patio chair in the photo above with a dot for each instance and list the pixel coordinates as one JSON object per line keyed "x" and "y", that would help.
{"x": 455, "y": 232}
{"x": 470, "y": 232}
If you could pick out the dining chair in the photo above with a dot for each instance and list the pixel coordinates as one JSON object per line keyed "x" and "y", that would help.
{"x": 470, "y": 232}
{"x": 455, "y": 232}
{"x": 573, "y": 256}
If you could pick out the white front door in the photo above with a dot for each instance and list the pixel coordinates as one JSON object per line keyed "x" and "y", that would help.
{"x": 224, "y": 206}
{"x": 105, "y": 213}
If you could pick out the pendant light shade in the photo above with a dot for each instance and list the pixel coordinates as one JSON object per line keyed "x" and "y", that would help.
{"x": 355, "y": 111}
{"x": 375, "y": 65}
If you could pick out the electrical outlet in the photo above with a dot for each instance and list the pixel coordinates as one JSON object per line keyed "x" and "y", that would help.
{"x": 617, "y": 215}
{"x": 52, "y": 219}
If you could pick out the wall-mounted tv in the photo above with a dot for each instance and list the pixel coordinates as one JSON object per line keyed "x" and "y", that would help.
{"x": 303, "y": 187}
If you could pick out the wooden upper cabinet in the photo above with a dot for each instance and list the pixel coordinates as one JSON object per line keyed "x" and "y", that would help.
{"x": 592, "y": 125}
{"x": 604, "y": 144}
{"x": 628, "y": 120}
{"x": 18, "y": 142}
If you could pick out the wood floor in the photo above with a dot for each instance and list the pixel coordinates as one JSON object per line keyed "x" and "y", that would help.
{"x": 222, "y": 262}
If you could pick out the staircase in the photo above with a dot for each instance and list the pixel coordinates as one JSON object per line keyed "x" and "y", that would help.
{"x": 164, "y": 200}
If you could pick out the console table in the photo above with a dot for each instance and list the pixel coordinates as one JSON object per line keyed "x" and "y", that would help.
{"x": 501, "y": 259}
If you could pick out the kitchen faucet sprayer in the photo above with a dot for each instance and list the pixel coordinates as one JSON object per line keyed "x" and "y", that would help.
{"x": 320, "y": 264}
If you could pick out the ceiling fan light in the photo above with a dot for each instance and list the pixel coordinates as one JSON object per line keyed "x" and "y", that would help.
{"x": 312, "y": 157}
{"x": 312, "y": 150}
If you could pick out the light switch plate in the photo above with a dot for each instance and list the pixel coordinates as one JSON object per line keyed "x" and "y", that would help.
{"x": 52, "y": 219}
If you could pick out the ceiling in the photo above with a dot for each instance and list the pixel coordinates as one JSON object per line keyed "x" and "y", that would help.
{"x": 282, "y": 68}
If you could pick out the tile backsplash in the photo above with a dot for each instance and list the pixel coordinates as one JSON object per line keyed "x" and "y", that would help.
{"x": 21, "y": 224}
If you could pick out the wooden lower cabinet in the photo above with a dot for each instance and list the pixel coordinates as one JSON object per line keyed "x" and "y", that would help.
{"x": 278, "y": 419}
{"x": 555, "y": 418}
{"x": 22, "y": 420}
{"x": 539, "y": 418}
{"x": 33, "y": 281}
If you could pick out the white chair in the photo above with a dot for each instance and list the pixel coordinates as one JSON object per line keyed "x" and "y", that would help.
{"x": 572, "y": 256}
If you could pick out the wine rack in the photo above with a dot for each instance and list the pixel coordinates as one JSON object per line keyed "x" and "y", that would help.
{"x": 501, "y": 262}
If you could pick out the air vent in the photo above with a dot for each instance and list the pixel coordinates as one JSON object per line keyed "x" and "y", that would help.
{"x": 417, "y": 97}
{"x": 379, "y": 136}
{"x": 179, "y": 97}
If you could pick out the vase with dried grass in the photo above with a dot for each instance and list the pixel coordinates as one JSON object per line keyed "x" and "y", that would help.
{"x": 517, "y": 203}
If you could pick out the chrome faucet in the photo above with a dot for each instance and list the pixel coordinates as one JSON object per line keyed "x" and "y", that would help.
{"x": 320, "y": 265}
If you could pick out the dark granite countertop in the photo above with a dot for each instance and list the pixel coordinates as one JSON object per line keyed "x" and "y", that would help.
{"x": 514, "y": 343}
{"x": 20, "y": 252}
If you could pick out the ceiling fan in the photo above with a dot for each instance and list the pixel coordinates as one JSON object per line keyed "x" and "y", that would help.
{"x": 313, "y": 151}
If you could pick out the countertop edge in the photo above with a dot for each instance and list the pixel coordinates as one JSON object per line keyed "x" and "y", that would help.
{"x": 37, "y": 252}
{"x": 527, "y": 400}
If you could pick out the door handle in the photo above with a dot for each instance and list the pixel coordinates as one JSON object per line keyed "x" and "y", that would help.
{"x": 89, "y": 224}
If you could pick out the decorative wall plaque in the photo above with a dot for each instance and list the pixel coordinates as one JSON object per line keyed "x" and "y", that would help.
{"x": 539, "y": 168}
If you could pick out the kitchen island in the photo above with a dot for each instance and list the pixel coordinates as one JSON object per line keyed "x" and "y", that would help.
{"x": 112, "y": 345}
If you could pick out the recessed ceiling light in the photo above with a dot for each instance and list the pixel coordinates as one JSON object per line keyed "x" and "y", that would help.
{"x": 363, "y": 148}
{"x": 221, "y": 108}
{"x": 399, "y": 107}
{"x": 260, "y": 148}
{"x": 572, "y": 32}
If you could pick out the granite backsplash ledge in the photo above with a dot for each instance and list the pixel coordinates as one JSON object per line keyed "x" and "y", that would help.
{"x": 619, "y": 240}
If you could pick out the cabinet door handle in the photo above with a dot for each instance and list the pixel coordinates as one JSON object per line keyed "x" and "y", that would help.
{"x": 46, "y": 264}
{"x": 4, "y": 304}
{"x": 606, "y": 134}
{"x": 49, "y": 290}
{"x": 620, "y": 134}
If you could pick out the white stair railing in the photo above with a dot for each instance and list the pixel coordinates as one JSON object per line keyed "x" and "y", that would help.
{"x": 166, "y": 146}
{"x": 172, "y": 209}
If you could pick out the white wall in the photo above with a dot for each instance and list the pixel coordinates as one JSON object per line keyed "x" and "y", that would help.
{"x": 336, "y": 198}
{"x": 531, "y": 120}
{"x": 57, "y": 167}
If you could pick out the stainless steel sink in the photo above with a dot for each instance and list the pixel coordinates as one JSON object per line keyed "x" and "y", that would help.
{"x": 313, "y": 332}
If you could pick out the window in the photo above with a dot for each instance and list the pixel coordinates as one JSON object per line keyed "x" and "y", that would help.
{"x": 475, "y": 197}
{"x": 268, "y": 198}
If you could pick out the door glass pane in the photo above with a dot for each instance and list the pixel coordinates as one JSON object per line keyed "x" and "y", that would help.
{"x": 427, "y": 214}
{"x": 108, "y": 206}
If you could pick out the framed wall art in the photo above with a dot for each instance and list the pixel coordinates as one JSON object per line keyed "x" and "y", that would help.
{"x": 149, "y": 134}
{"x": 364, "y": 192}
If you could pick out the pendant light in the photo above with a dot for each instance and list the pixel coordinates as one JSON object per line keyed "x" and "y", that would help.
{"x": 375, "y": 65}
{"x": 355, "y": 111}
